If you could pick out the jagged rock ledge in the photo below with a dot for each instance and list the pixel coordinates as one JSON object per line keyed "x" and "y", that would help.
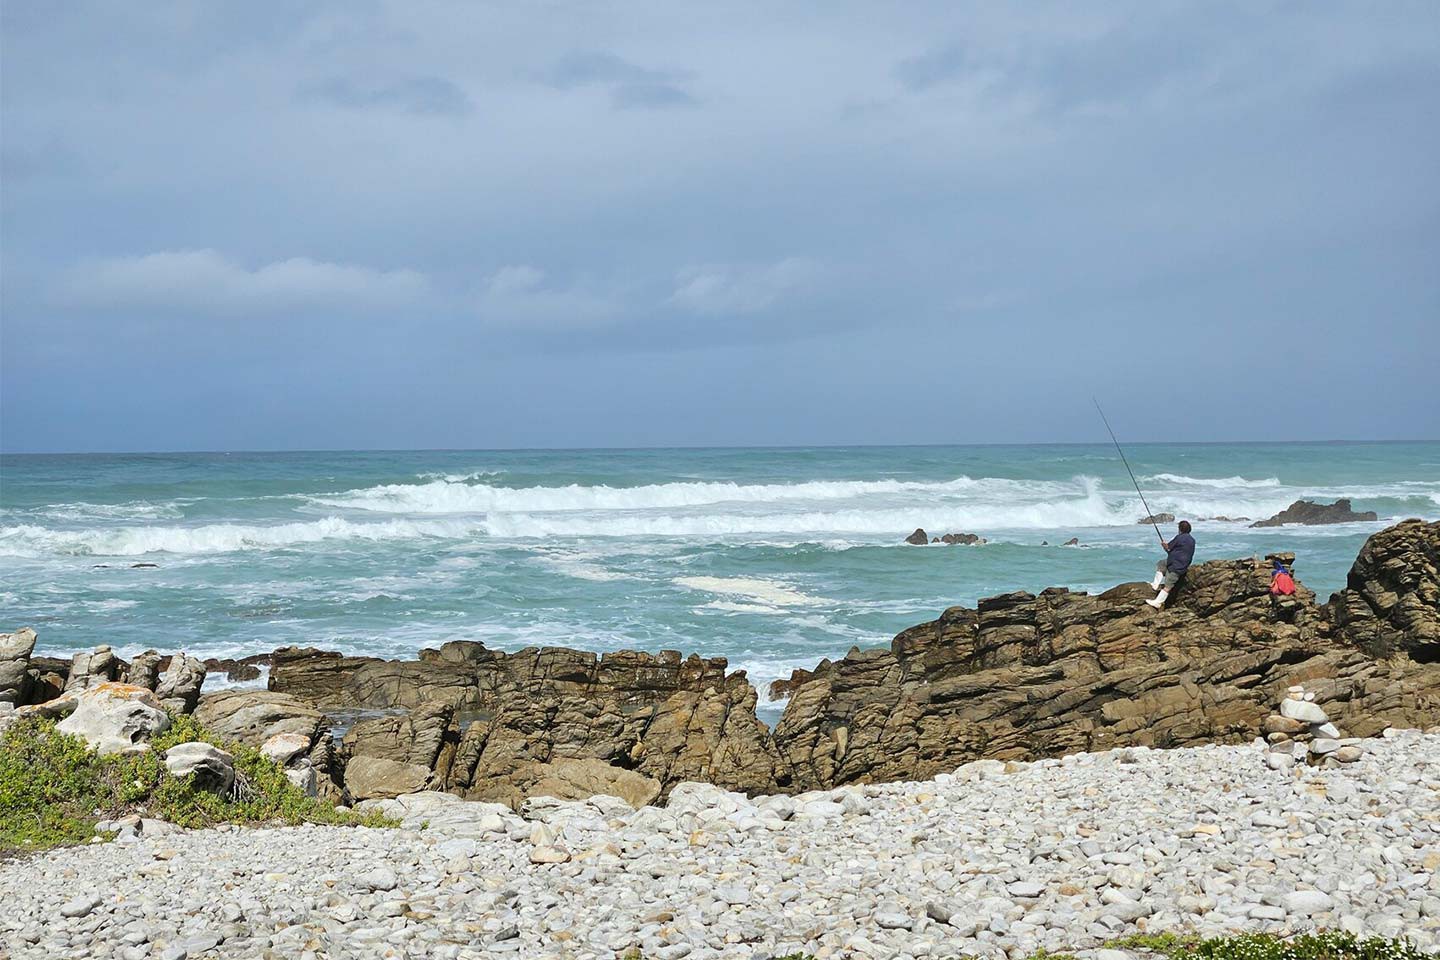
{"x": 1020, "y": 677}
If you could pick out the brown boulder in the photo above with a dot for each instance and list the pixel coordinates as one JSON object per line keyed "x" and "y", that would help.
{"x": 1311, "y": 513}
{"x": 253, "y": 716}
{"x": 370, "y": 778}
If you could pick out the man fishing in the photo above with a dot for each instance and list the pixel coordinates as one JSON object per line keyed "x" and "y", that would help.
{"x": 1178, "y": 554}
{"x": 1181, "y": 548}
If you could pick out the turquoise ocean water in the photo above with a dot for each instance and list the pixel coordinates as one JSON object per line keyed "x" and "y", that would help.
{"x": 773, "y": 558}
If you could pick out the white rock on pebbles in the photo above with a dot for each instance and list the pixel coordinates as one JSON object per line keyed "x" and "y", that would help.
{"x": 1302, "y": 731}
{"x": 995, "y": 859}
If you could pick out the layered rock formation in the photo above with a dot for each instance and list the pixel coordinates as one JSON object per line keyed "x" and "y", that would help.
{"x": 1311, "y": 513}
{"x": 497, "y": 726}
{"x": 1027, "y": 676}
{"x": 1021, "y": 676}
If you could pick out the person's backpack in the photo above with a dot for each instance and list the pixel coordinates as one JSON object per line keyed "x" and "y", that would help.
{"x": 1282, "y": 584}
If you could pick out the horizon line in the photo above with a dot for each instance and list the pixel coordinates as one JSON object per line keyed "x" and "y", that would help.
{"x": 664, "y": 447}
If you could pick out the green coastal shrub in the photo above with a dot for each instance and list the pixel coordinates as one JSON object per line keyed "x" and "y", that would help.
{"x": 1268, "y": 946}
{"x": 53, "y": 788}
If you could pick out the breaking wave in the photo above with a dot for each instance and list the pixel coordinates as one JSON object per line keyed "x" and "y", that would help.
{"x": 452, "y": 495}
{"x": 840, "y": 510}
{"x": 28, "y": 540}
{"x": 1225, "y": 483}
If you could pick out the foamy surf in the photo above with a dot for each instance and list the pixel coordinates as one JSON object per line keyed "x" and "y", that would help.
{"x": 768, "y": 593}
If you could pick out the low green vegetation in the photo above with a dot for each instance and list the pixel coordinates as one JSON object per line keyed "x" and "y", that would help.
{"x": 1268, "y": 946}
{"x": 53, "y": 788}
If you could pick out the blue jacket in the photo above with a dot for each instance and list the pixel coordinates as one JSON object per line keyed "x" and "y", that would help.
{"x": 1182, "y": 551}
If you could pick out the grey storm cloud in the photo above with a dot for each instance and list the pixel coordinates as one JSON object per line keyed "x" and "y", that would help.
{"x": 629, "y": 85}
{"x": 598, "y": 223}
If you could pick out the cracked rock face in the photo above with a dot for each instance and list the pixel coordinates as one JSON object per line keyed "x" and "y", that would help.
{"x": 1391, "y": 601}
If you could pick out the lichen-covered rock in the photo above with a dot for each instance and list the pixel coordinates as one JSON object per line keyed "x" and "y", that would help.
{"x": 115, "y": 718}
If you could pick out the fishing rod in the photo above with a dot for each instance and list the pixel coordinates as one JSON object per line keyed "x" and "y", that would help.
{"x": 1149, "y": 514}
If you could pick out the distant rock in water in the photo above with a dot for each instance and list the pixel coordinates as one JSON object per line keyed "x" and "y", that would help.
{"x": 920, "y": 538}
{"x": 144, "y": 566}
{"x": 1314, "y": 514}
{"x": 954, "y": 538}
{"x": 1158, "y": 518}
{"x": 1072, "y": 542}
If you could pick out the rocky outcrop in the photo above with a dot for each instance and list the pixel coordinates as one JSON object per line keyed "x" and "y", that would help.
{"x": 1391, "y": 602}
{"x": 92, "y": 668}
{"x": 113, "y": 717}
{"x": 252, "y": 717}
{"x": 952, "y": 539}
{"x": 1157, "y": 518}
{"x": 920, "y": 538}
{"x": 1310, "y": 512}
{"x": 1021, "y": 676}
{"x": 27, "y": 680}
{"x": 15, "y": 650}
{"x": 179, "y": 686}
{"x": 1026, "y": 676}
{"x": 492, "y": 726}
{"x": 784, "y": 686}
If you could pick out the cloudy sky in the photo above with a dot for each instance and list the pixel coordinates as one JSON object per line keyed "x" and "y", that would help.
{"x": 411, "y": 224}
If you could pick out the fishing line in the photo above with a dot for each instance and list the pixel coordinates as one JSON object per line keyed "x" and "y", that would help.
{"x": 1149, "y": 514}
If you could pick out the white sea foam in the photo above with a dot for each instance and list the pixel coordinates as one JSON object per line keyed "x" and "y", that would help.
{"x": 730, "y": 606}
{"x": 134, "y": 510}
{"x": 461, "y": 477}
{"x": 769, "y": 593}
